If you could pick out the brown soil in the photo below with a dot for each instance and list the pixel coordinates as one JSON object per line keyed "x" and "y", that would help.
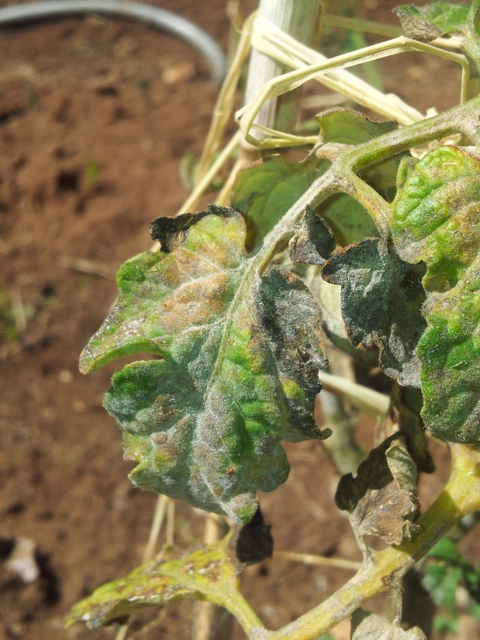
{"x": 92, "y": 129}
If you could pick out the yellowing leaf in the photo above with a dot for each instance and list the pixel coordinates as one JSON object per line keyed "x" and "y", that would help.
{"x": 207, "y": 573}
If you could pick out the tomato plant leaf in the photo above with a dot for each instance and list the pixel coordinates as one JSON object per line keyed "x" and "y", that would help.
{"x": 238, "y": 355}
{"x": 381, "y": 300}
{"x": 254, "y": 541}
{"x": 207, "y": 573}
{"x": 314, "y": 243}
{"x": 436, "y": 221}
{"x": 406, "y": 406}
{"x": 263, "y": 193}
{"x": 347, "y": 219}
{"x": 433, "y": 20}
{"x": 444, "y": 570}
{"x": 382, "y": 498}
{"x": 345, "y": 216}
{"x": 366, "y": 625}
{"x": 347, "y": 126}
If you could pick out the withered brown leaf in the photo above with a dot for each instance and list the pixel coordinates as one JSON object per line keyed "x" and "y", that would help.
{"x": 382, "y": 498}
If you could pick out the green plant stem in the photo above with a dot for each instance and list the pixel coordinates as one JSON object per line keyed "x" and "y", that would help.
{"x": 246, "y": 617}
{"x": 348, "y": 160}
{"x": 460, "y": 497}
{"x": 209, "y": 620}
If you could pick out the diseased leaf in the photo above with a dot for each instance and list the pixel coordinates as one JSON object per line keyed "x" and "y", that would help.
{"x": 314, "y": 243}
{"x": 328, "y": 297}
{"x": 254, "y": 542}
{"x": 264, "y": 192}
{"x": 382, "y": 498}
{"x": 436, "y": 220}
{"x": 368, "y": 626}
{"x": 381, "y": 301}
{"x": 433, "y": 20}
{"x": 239, "y": 355}
{"x": 207, "y": 573}
{"x": 406, "y": 406}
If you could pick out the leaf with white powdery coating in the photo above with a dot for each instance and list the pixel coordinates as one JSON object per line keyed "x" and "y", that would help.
{"x": 239, "y": 354}
{"x": 436, "y": 220}
{"x": 381, "y": 301}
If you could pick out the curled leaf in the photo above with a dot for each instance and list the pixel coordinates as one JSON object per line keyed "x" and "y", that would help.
{"x": 436, "y": 221}
{"x": 406, "y": 407}
{"x": 254, "y": 541}
{"x": 381, "y": 300}
{"x": 382, "y": 498}
{"x": 238, "y": 355}
{"x": 314, "y": 243}
{"x": 207, "y": 573}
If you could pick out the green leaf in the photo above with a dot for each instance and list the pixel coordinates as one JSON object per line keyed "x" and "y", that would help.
{"x": 442, "y": 583}
{"x": 207, "y": 573}
{"x": 239, "y": 355}
{"x": 433, "y": 20}
{"x": 445, "y": 550}
{"x": 436, "y": 221}
{"x": 346, "y": 126}
{"x": 381, "y": 301}
{"x": 346, "y": 217}
{"x": 445, "y": 569}
{"x": 265, "y": 192}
